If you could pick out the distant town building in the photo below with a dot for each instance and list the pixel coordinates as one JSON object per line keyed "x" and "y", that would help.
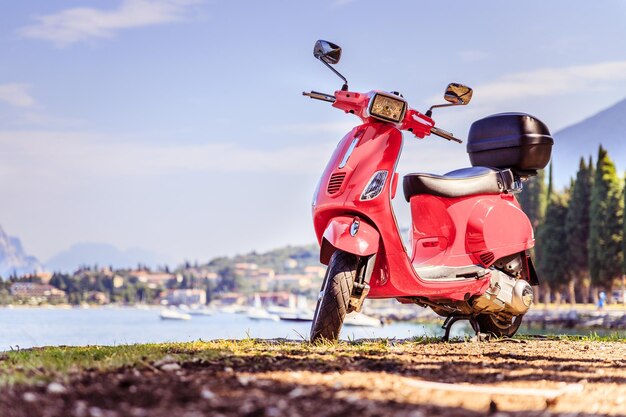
{"x": 231, "y": 299}
{"x": 315, "y": 271}
{"x": 45, "y": 277}
{"x": 33, "y": 293}
{"x": 153, "y": 279}
{"x": 187, "y": 297}
{"x": 97, "y": 297}
{"x": 245, "y": 268}
{"x": 288, "y": 282}
{"x": 290, "y": 264}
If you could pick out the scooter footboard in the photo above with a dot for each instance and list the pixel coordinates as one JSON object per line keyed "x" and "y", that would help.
{"x": 349, "y": 234}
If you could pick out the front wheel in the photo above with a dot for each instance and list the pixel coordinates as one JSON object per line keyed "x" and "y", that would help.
{"x": 499, "y": 327}
{"x": 334, "y": 298}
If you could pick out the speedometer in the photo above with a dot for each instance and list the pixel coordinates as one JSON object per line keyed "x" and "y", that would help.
{"x": 387, "y": 107}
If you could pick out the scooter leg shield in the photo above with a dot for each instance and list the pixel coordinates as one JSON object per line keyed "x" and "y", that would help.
{"x": 349, "y": 234}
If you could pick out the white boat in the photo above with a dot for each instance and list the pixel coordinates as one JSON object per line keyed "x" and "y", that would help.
{"x": 233, "y": 309}
{"x": 298, "y": 310}
{"x": 174, "y": 315}
{"x": 257, "y": 312}
{"x": 200, "y": 311}
{"x": 261, "y": 314}
{"x": 361, "y": 320}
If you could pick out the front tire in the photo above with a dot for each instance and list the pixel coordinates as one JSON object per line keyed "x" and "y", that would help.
{"x": 333, "y": 302}
{"x": 491, "y": 324}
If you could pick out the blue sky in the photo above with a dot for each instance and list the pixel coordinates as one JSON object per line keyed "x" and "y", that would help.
{"x": 178, "y": 126}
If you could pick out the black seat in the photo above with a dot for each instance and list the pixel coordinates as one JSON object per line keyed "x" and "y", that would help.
{"x": 459, "y": 183}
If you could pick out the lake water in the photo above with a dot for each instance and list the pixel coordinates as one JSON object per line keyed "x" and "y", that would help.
{"x": 29, "y": 327}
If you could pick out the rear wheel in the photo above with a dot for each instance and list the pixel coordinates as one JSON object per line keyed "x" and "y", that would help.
{"x": 333, "y": 301}
{"x": 499, "y": 327}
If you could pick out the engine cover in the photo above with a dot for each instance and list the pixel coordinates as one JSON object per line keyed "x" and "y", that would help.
{"x": 505, "y": 295}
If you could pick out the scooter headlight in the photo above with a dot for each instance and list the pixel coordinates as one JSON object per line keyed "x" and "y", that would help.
{"x": 374, "y": 186}
{"x": 387, "y": 107}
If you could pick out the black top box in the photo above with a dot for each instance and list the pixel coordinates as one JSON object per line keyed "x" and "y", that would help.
{"x": 517, "y": 141}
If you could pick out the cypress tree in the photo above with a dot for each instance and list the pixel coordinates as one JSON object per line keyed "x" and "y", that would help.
{"x": 551, "y": 260}
{"x": 534, "y": 198}
{"x": 605, "y": 234}
{"x": 577, "y": 228}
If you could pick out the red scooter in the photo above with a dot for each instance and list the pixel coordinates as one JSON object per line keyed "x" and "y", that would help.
{"x": 469, "y": 241}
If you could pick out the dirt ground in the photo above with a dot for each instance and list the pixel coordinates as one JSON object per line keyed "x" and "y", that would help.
{"x": 497, "y": 378}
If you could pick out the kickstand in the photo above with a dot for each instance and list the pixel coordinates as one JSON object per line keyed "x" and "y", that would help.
{"x": 450, "y": 320}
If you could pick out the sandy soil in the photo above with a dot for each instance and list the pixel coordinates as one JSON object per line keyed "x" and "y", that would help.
{"x": 498, "y": 378}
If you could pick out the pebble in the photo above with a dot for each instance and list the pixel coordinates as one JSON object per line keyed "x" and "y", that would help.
{"x": 245, "y": 380}
{"x": 165, "y": 360}
{"x": 169, "y": 367}
{"x": 296, "y": 392}
{"x": 207, "y": 394}
{"x": 29, "y": 397}
{"x": 56, "y": 388}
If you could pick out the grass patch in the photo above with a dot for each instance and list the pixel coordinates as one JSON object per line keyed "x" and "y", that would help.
{"x": 37, "y": 365}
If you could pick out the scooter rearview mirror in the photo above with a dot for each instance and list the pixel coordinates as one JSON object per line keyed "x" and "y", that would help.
{"x": 329, "y": 53}
{"x": 455, "y": 95}
{"x": 458, "y": 94}
{"x": 326, "y": 51}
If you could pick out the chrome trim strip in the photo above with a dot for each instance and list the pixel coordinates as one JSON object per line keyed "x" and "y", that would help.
{"x": 344, "y": 161}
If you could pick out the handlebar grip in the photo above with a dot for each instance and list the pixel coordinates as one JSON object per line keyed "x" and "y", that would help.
{"x": 443, "y": 134}
{"x": 320, "y": 96}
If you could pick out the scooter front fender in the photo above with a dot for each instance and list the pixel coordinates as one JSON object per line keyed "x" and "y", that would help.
{"x": 349, "y": 234}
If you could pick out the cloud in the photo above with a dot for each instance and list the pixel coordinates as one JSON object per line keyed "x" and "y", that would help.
{"x": 65, "y": 154}
{"x": 341, "y": 3}
{"x": 340, "y": 128}
{"x": 16, "y": 95}
{"x": 82, "y": 23}
{"x": 70, "y": 156}
{"x": 546, "y": 82}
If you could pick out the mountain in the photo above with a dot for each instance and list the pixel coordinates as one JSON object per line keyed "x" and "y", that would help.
{"x": 13, "y": 259}
{"x": 103, "y": 254}
{"x": 607, "y": 127}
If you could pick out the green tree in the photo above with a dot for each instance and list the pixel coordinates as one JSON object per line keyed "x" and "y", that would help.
{"x": 534, "y": 198}
{"x": 577, "y": 230}
{"x": 605, "y": 234}
{"x": 551, "y": 260}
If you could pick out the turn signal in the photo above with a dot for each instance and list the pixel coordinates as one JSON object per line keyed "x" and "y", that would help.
{"x": 374, "y": 186}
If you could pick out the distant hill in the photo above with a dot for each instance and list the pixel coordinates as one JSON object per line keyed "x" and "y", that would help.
{"x": 278, "y": 259}
{"x": 13, "y": 258}
{"x": 607, "y": 127}
{"x": 103, "y": 254}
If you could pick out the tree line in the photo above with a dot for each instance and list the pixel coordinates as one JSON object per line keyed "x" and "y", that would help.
{"x": 580, "y": 247}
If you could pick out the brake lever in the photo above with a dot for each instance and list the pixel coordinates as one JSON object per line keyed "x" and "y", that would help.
{"x": 320, "y": 96}
{"x": 443, "y": 134}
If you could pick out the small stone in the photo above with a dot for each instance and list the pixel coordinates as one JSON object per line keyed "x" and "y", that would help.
{"x": 169, "y": 367}
{"x": 165, "y": 360}
{"x": 29, "y": 397}
{"x": 80, "y": 409}
{"x": 273, "y": 412}
{"x": 207, "y": 394}
{"x": 245, "y": 380}
{"x": 56, "y": 388}
{"x": 228, "y": 370}
{"x": 139, "y": 412}
{"x": 296, "y": 392}
{"x": 95, "y": 412}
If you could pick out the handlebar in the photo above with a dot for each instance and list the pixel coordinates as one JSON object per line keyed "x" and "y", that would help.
{"x": 320, "y": 96}
{"x": 443, "y": 134}
{"x": 356, "y": 103}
